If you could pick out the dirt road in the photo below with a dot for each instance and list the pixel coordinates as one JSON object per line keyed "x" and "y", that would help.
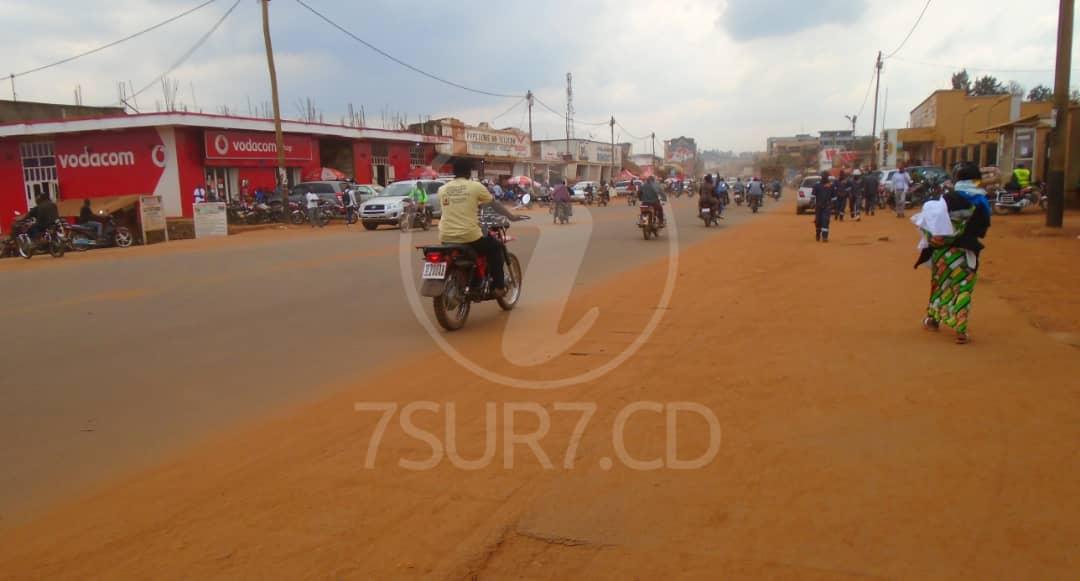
{"x": 853, "y": 444}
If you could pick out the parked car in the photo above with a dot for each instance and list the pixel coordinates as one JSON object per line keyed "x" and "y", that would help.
{"x": 885, "y": 177}
{"x": 623, "y": 188}
{"x": 365, "y": 192}
{"x": 329, "y": 191}
{"x": 386, "y": 207}
{"x": 804, "y": 200}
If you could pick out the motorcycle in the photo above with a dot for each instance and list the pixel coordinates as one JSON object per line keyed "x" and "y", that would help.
{"x": 738, "y": 198}
{"x": 1015, "y": 201}
{"x": 649, "y": 222}
{"x": 561, "y": 212}
{"x": 51, "y": 240}
{"x": 455, "y": 276}
{"x": 10, "y": 245}
{"x": 631, "y": 199}
{"x": 589, "y": 198}
{"x": 755, "y": 202}
{"x": 708, "y": 216}
{"x": 82, "y": 237}
{"x": 412, "y": 216}
{"x": 298, "y": 214}
{"x": 604, "y": 199}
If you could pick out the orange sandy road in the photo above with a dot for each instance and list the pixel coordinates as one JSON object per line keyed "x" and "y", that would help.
{"x": 854, "y": 445}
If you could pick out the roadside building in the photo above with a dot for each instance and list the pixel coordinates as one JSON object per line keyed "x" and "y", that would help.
{"x": 169, "y": 154}
{"x": 576, "y": 159}
{"x": 498, "y": 153}
{"x": 1027, "y": 141}
{"x": 13, "y": 111}
{"x": 945, "y": 128}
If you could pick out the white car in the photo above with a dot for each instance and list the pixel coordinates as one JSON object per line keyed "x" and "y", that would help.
{"x": 804, "y": 200}
{"x": 885, "y": 179}
{"x": 578, "y": 193}
{"x": 386, "y": 207}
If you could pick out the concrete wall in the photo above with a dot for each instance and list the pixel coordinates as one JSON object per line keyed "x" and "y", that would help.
{"x": 15, "y": 111}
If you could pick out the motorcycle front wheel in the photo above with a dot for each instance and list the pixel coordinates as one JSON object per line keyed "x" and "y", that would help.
{"x": 123, "y": 237}
{"x": 56, "y": 247}
{"x": 513, "y": 283}
{"x": 452, "y": 306}
{"x": 1000, "y": 210}
{"x": 26, "y": 249}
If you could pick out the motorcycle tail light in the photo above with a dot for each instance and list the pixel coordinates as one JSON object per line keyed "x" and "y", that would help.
{"x": 435, "y": 257}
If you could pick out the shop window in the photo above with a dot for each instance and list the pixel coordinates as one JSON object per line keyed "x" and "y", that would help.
{"x": 39, "y": 170}
{"x": 380, "y": 149}
{"x": 991, "y": 154}
{"x": 1024, "y": 148}
{"x": 416, "y": 155}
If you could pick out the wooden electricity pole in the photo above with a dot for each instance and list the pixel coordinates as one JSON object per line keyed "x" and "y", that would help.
{"x": 873, "y": 130}
{"x": 1055, "y": 179}
{"x": 278, "y": 136}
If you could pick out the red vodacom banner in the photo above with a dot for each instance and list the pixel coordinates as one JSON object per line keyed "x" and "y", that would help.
{"x": 107, "y": 164}
{"x": 251, "y": 145}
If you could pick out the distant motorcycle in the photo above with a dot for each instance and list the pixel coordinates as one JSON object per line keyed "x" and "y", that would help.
{"x": 413, "y": 217}
{"x": 755, "y": 202}
{"x": 83, "y": 237}
{"x": 649, "y": 222}
{"x": 708, "y": 216}
{"x": 1015, "y": 201}
{"x": 738, "y": 198}
{"x": 50, "y": 240}
{"x": 560, "y": 213}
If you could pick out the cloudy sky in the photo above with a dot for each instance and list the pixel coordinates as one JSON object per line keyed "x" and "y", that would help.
{"x": 727, "y": 72}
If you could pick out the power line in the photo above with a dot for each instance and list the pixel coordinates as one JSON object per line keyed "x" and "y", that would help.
{"x": 202, "y": 40}
{"x": 910, "y": 32}
{"x": 115, "y": 42}
{"x": 625, "y": 130}
{"x": 975, "y": 69}
{"x": 867, "y": 95}
{"x": 563, "y": 115}
{"x": 399, "y": 61}
{"x": 512, "y": 107}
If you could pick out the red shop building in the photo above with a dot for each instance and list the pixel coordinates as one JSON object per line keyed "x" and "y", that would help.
{"x": 170, "y": 154}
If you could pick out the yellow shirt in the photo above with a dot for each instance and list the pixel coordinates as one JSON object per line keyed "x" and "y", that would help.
{"x": 460, "y": 201}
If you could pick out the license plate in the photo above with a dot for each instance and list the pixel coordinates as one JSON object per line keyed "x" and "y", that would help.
{"x": 434, "y": 270}
{"x": 705, "y": 210}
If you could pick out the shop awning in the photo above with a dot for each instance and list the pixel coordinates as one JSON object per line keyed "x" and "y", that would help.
{"x": 105, "y": 204}
{"x": 916, "y": 135}
{"x": 1029, "y": 120}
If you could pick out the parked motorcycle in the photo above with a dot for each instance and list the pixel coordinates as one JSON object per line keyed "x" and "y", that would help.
{"x": 298, "y": 213}
{"x": 50, "y": 240}
{"x": 649, "y": 222}
{"x": 413, "y": 217}
{"x": 1015, "y": 201}
{"x": 10, "y": 245}
{"x": 455, "y": 276}
{"x": 82, "y": 237}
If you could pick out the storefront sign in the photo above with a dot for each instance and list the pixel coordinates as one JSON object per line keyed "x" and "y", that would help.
{"x": 108, "y": 164}
{"x": 211, "y": 219}
{"x": 152, "y": 217}
{"x": 680, "y": 150}
{"x": 482, "y": 142}
{"x": 252, "y": 145}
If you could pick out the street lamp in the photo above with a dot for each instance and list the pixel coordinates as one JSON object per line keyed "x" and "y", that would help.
{"x": 853, "y": 119}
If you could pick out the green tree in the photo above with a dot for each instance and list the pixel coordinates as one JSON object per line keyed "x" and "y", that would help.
{"x": 961, "y": 81}
{"x": 988, "y": 85}
{"x": 1041, "y": 93}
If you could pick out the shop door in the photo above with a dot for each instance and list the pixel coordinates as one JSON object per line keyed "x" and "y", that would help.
{"x": 219, "y": 186}
{"x": 383, "y": 172}
{"x": 39, "y": 171}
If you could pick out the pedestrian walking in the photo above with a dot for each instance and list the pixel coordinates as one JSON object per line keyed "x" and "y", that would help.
{"x": 841, "y": 189}
{"x": 313, "y": 208}
{"x": 823, "y": 193}
{"x": 870, "y": 186}
{"x": 348, "y": 197}
{"x": 855, "y": 195}
{"x": 950, "y": 230}
{"x": 901, "y": 181}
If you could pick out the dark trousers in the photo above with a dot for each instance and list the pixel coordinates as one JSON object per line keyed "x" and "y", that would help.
{"x": 870, "y": 204}
{"x": 838, "y": 206}
{"x": 853, "y": 205}
{"x": 821, "y": 223}
{"x": 493, "y": 250}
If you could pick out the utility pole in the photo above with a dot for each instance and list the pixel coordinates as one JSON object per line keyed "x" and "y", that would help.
{"x": 612, "y": 148}
{"x": 14, "y": 97}
{"x": 873, "y": 131}
{"x": 529, "y": 98}
{"x": 1055, "y": 211}
{"x": 569, "y": 110}
{"x": 279, "y": 137}
{"x": 884, "y": 131}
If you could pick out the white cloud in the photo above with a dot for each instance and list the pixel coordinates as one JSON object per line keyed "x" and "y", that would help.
{"x": 729, "y": 73}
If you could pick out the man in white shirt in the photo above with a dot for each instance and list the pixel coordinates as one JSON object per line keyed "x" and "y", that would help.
{"x": 901, "y": 181}
{"x": 313, "y": 209}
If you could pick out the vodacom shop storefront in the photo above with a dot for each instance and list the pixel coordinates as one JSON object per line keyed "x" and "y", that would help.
{"x": 171, "y": 154}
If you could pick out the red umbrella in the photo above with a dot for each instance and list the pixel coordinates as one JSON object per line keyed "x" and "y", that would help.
{"x": 323, "y": 173}
{"x": 422, "y": 172}
{"x": 522, "y": 181}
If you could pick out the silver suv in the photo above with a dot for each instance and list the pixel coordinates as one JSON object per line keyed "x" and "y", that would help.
{"x": 386, "y": 207}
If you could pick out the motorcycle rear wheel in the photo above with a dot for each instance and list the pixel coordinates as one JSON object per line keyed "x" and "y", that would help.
{"x": 513, "y": 283}
{"x": 56, "y": 248}
{"x": 26, "y": 250}
{"x": 452, "y": 306}
{"x": 1000, "y": 210}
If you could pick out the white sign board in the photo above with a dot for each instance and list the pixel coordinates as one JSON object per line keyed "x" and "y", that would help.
{"x": 211, "y": 219}
{"x": 152, "y": 216}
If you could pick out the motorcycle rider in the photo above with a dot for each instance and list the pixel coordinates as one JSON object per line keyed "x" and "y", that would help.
{"x": 722, "y": 190}
{"x": 1021, "y": 178}
{"x": 756, "y": 190}
{"x": 45, "y": 214}
{"x": 707, "y": 197}
{"x": 739, "y": 187}
{"x": 87, "y": 218}
{"x": 776, "y": 188}
{"x": 420, "y": 198}
{"x": 652, "y": 195}
{"x": 461, "y": 199}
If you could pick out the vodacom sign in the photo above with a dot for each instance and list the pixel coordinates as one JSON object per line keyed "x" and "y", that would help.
{"x": 251, "y": 145}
